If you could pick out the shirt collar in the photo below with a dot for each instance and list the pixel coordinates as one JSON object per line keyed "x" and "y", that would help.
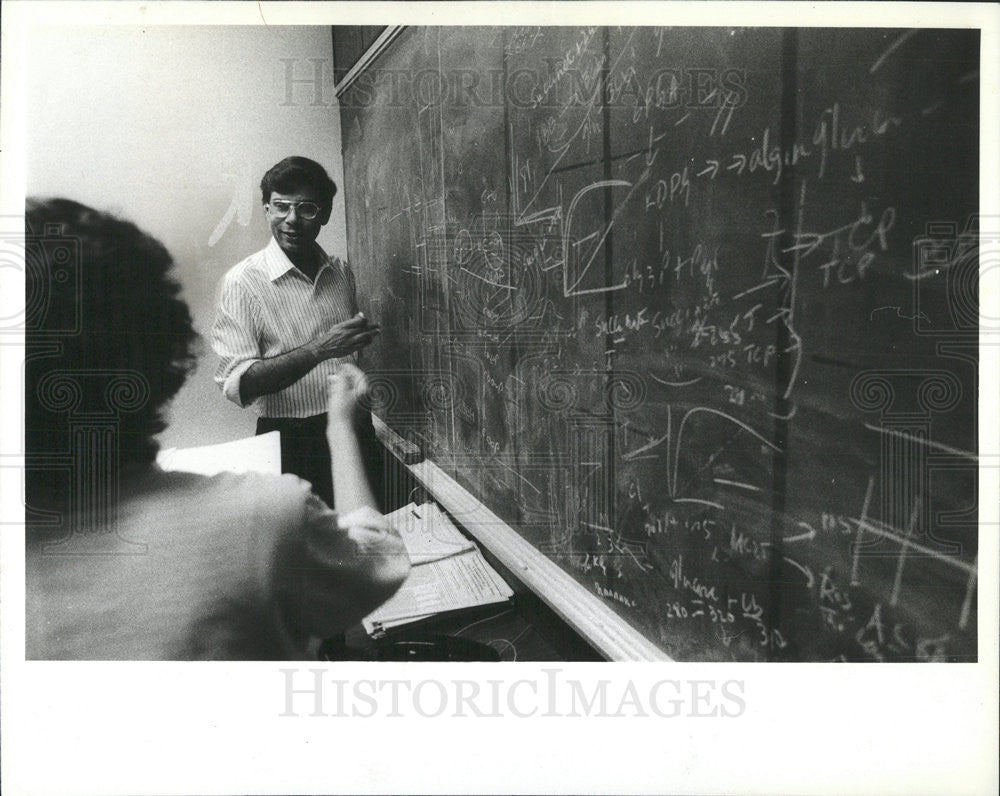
{"x": 277, "y": 264}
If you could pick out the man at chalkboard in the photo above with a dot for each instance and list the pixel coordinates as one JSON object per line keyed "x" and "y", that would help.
{"x": 287, "y": 318}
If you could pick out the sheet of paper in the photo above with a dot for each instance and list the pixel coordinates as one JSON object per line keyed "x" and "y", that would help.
{"x": 428, "y": 533}
{"x": 261, "y": 454}
{"x": 461, "y": 581}
{"x": 371, "y": 627}
{"x": 388, "y": 624}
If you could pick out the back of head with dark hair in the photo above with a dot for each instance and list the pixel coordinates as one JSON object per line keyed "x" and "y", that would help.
{"x": 294, "y": 173}
{"x": 108, "y": 340}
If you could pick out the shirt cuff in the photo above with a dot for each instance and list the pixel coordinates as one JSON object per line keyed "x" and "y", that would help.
{"x": 364, "y": 516}
{"x": 231, "y": 386}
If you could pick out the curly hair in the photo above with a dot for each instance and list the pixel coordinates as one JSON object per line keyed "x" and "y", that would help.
{"x": 107, "y": 335}
{"x": 298, "y": 172}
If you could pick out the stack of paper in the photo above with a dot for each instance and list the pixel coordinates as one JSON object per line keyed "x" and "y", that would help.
{"x": 428, "y": 533}
{"x": 449, "y": 572}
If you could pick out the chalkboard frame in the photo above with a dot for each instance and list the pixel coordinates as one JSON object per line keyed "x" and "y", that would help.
{"x": 379, "y": 46}
{"x": 597, "y": 623}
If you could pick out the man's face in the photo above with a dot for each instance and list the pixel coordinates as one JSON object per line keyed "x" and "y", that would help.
{"x": 294, "y": 234}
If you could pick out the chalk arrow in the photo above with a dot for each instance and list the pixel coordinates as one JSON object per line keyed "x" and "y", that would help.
{"x": 810, "y": 580}
{"x": 808, "y": 536}
{"x": 713, "y": 167}
{"x": 785, "y": 313}
{"x": 858, "y": 176}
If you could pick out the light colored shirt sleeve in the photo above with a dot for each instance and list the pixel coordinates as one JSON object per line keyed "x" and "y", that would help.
{"x": 338, "y": 570}
{"x": 235, "y": 337}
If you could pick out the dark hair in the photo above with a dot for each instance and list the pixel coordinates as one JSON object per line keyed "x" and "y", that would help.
{"x": 298, "y": 172}
{"x": 108, "y": 340}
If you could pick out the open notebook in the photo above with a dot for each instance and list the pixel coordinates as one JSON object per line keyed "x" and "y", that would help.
{"x": 449, "y": 573}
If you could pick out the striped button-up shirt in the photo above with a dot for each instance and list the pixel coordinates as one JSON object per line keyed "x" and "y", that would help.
{"x": 268, "y": 307}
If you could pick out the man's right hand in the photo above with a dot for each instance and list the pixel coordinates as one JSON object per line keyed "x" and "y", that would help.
{"x": 344, "y": 338}
{"x": 267, "y": 376}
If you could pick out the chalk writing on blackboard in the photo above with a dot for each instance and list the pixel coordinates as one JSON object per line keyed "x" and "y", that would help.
{"x": 695, "y": 311}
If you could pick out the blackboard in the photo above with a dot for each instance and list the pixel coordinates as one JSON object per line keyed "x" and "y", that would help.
{"x": 694, "y": 310}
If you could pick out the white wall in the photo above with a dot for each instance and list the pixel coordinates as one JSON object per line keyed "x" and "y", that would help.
{"x": 172, "y": 128}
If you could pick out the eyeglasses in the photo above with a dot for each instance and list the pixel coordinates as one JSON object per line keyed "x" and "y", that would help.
{"x": 281, "y": 208}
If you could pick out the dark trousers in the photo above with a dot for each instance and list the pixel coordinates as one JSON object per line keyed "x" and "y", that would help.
{"x": 305, "y": 452}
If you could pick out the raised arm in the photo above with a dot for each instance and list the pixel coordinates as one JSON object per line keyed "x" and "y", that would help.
{"x": 352, "y": 561}
{"x": 351, "y": 489}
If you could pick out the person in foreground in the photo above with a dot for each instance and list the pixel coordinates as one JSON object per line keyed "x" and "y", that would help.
{"x": 176, "y": 566}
